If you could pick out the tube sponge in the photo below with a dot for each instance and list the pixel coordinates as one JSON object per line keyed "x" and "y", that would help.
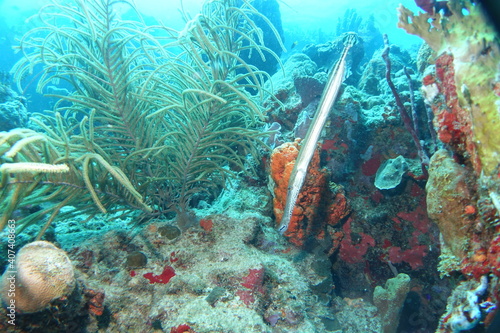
{"x": 42, "y": 273}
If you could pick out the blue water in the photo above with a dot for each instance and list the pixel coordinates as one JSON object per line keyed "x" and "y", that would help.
{"x": 234, "y": 250}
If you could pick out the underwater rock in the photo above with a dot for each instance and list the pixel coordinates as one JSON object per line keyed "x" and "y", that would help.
{"x": 372, "y": 79}
{"x": 356, "y": 315}
{"x": 299, "y": 69}
{"x": 221, "y": 284}
{"x": 13, "y": 111}
{"x": 136, "y": 259}
{"x": 170, "y": 232}
{"x": 447, "y": 195}
{"x": 425, "y": 57}
{"x": 325, "y": 55}
{"x": 390, "y": 173}
{"x": 389, "y": 301}
{"x": 43, "y": 273}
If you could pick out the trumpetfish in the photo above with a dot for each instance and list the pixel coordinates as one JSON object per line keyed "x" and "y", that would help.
{"x": 306, "y": 152}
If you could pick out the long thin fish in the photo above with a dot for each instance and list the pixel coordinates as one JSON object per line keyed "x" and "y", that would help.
{"x": 308, "y": 146}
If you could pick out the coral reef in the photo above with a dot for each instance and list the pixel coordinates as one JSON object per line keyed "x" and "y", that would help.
{"x": 174, "y": 148}
{"x": 241, "y": 276}
{"x": 357, "y": 315}
{"x": 460, "y": 88}
{"x": 326, "y": 55}
{"x": 464, "y": 78}
{"x": 13, "y": 109}
{"x": 469, "y": 52}
{"x": 387, "y": 232}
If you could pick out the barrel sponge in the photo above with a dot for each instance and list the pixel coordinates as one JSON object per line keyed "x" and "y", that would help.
{"x": 43, "y": 273}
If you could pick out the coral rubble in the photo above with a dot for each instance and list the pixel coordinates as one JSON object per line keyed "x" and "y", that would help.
{"x": 240, "y": 276}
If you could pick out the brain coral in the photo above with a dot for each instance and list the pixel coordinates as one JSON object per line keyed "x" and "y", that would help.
{"x": 44, "y": 273}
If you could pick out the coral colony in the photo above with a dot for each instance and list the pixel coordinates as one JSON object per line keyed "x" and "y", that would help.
{"x": 208, "y": 180}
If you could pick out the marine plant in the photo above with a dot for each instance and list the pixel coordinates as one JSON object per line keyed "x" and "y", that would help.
{"x": 155, "y": 116}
